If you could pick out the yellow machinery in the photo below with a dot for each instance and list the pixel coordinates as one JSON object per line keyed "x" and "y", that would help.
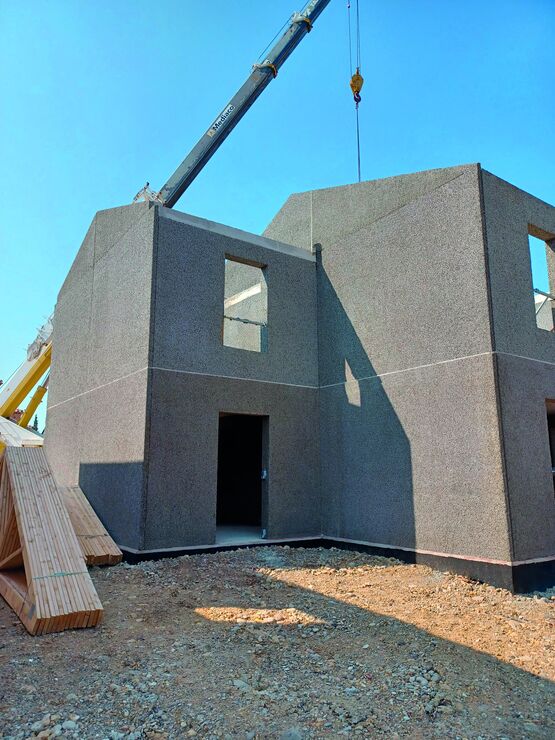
{"x": 14, "y": 392}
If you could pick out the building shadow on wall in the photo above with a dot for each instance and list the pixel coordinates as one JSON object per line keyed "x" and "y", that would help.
{"x": 115, "y": 491}
{"x": 366, "y": 469}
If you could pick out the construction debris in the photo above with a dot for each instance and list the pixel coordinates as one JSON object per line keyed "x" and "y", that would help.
{"x": 272, "y": 643}
{"x": 43, "y": 574}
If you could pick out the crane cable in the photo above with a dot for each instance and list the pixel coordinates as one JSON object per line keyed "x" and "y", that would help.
{"x": 357, "y": 80}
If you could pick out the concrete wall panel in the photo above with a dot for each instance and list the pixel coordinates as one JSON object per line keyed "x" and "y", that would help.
{"x": 71, "y": 341}
{"x": 111, "y": 459}
{"x": 324, "y": 216}
{"x": 95, "y": 427}
{"x": 413, "y": 459}
{"x": 378, "y": 383}
{"x": 182, "y": 458}
{"x": 120, "y": 312}
{"x": 190, "y": 302}
{"x": 508, "y": 211}
{"x": 62, "y": 441}
{"x": 525, "y": 386}
{"x": 112, "y": 225}
{"x": 407, "y": 290}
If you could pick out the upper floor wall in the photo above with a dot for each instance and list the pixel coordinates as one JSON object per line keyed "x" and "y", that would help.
{"x": 402, "y": 280}
{"x": 101, "y": 320}
{"x": 232, "y": 304}
{"x": 510, "y": 217}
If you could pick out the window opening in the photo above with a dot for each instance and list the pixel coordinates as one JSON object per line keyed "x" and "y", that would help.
{"x": 245, "y": 318}
{"x": 541, "y": 244}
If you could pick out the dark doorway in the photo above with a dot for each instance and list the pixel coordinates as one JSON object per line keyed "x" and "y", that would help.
{"x": 240, "y": 474}
{"x": 550, "y": 407}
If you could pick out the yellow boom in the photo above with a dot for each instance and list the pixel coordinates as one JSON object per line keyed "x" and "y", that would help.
{"x": 27, "y": 383}
{"x": 18, "y": 387}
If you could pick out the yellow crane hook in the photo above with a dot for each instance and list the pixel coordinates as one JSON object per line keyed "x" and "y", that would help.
{"x": 356, "y": 83}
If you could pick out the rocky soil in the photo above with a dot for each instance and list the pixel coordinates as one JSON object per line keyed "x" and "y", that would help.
{"x": 286, "y": 643}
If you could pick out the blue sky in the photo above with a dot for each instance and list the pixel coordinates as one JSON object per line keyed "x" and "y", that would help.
{"x": 98, "y": 97}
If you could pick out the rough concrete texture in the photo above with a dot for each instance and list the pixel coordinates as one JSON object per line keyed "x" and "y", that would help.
{"x": 305, "y": 218}
{"x": 112, "y": 453}
{"x": 101, "y": 325}
{"x": 405, "y": 364}
{"x": 97, "y": 399}
{"x": 138, "y": 322}
{"x": 400, "y": 285}
{"x": 97, "y": 441}
{"x": 187, "y": 330}
{"x": 395, "y": 415}
{"x": 508, "y": 214}
{"x": 525, "y": 360}
{"x": 413, "y": 460}
{"x": 183, "y": 456}
{"x": 524, "y": 386}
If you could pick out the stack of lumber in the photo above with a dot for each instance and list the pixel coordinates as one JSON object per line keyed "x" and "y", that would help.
{"x": 12, "y": 435}
{"x": 96, "y": 544}
{"x": 43, "y": 574}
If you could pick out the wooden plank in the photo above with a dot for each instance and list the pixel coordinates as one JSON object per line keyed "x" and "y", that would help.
{"x": 53, "y": 591}
{"x": 12, "y": 435}
{"x": 15, "y": 560}
{"x": 96, "y": 544}
{"x": 13, "y": 588}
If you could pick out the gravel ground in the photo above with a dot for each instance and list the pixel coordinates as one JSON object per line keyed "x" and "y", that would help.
{"x": 286, "y": 643}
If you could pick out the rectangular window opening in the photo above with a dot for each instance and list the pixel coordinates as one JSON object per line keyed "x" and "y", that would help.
{"x": 245, "y": 317}
{"x": 541, "y": 245}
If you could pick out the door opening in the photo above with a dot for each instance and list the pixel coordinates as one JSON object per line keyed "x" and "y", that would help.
{"x": 550, "y": 407}
{"x": 241, "y": 477}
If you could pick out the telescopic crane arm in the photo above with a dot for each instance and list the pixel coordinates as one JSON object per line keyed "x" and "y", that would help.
{"x": 262, "y": 74}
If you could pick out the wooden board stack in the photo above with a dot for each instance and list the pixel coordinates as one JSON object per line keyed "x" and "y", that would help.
{"x": 43, "y": 574}
{"x": 96, "y": 544}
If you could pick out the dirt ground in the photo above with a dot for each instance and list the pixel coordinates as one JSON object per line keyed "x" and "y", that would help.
{"x": 286, "y": 643}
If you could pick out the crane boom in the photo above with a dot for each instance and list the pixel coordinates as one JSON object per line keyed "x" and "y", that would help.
{"x": 17, "y": 388}
{"x": 260, "y": 77}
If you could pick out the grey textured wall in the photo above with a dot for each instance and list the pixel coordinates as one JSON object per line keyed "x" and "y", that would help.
{"x": 183, "y": 456}
{"x": 190, "y": 298}
{"x": 524, "y": 387}
{"x": 525, "y": 361}
{"x": 410, "y": 444}
{"x": 139, "y": 359}
{"x": 404, "y": 380}
{"x": 195, "y": 377}
{"x": 97, "y": 399}
{"x": 508, "y": 212}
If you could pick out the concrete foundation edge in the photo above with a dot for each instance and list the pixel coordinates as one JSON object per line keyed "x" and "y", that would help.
{"x": 517, "y": 578}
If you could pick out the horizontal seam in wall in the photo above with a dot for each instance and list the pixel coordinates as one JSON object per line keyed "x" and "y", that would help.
{"x": 408, "y": 369}
{"x": 233, "y": 377}
{"x": 523, "y": 357}
{"x": 98, "y": 387}
{"x": 299, "y": 385}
